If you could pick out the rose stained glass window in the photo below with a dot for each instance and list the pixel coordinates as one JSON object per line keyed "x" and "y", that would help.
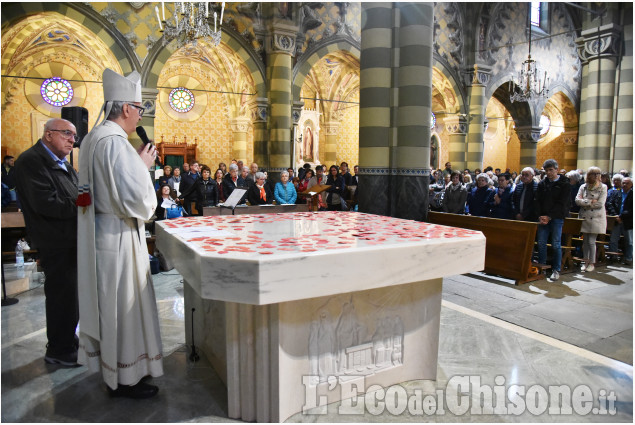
{"x": 433, "y": 121}
{"x": 181, "y": 99}
{"x": 56, "y": 91}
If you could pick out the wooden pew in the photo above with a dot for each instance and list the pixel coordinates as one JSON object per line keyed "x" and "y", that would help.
{"x": 508, "y": 247}
{"x": 570, "y": 229}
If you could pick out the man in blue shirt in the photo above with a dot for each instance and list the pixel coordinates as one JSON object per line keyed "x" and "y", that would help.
{"x": 47, "y": 187}
{"x": 625, "y": 219}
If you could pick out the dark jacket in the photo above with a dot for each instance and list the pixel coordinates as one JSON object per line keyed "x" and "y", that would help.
{"x": 553, "y": 198}
{"x": 253, "y": 195}
{"x": 187, "y": 181}
{"x": 478, "y": 201}
{"x": 8, "y": 177}
{"x": 574, "y": 192}
{"x": 204, "y": 192}
{"x": 228, "y": 184}
{"x": 504, "y": 208}
{"x": 338, "y": 186}
{"x": 47, "y": 194}
{"x": 529, "y": 214}
{"x": 614, "y": 203}
{"x": 627, "y": 212}
{"x": 348, "y": 178}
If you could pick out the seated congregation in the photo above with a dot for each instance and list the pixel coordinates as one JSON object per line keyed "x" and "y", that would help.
{"x": 195, "y": 188}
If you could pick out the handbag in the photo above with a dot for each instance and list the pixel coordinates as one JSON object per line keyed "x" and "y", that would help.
{"x": 175, "y": 211}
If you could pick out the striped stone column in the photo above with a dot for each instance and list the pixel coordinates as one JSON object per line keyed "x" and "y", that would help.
{"x": 414, "y": 84}
{"x": 478, "y": 77}
{"x": 528, "y": 137}
{"x": 280, "y": 50}
{"x": 623, "y": 148}
{"x": 456, "y": 127}
{"x": 149, "y": 102}
{"x": 331, "y": 129}
{"x": 260, "y": 116}
{"x": 570, "y": 141}
{"x": 598, "y": 48}
{"x": 375, "y": 131}
{"x": 240, "y": 126}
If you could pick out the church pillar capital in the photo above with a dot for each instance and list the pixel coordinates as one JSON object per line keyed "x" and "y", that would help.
{"x": 149, "y": 102}
{"x": 478, "y": 75}
{"x": 570, "y": 137}
{"x": 281, "y": 39}
{"x": 528, "y": 134}
{"x": 599, "y": 42}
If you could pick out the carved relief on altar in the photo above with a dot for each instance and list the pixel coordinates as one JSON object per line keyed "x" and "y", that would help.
{"x": 346, "y": 345}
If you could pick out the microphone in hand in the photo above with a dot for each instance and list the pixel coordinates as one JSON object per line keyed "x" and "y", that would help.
{"x": 141, "y": 132}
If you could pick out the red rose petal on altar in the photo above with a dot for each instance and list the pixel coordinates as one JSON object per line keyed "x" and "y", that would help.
{"x": 223, "y": 252}
{"x": 266, "y": 252}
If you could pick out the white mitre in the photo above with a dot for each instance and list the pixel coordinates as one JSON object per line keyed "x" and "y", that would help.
{"x": 118, "y": 88}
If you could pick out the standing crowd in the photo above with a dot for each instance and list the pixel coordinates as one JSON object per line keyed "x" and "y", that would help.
{"x": 547, "y": 196}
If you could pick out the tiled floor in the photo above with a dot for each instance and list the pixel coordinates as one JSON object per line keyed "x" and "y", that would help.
{"x": 564, "y": 327}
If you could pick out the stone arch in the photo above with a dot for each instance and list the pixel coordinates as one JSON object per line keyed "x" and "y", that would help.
{"x": 443, "y": 73}
{"x": 37, "y": 46}
{"x": 561, "y": 140}
{"x": 313, "y": 55}
{"x": 12, "y": 13}
{"x": 160, "y": 54}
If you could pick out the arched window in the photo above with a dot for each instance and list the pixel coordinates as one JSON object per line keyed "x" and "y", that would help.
{"x": 538, "y": 15}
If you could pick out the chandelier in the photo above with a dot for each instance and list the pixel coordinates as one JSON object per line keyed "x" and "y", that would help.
{"x": 191, "y": 23}
{"x": 529, "y": 85}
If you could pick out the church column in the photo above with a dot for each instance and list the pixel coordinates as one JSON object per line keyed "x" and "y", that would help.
{"x": 414, "y": 84}
{"x": 478, "y": 77}
{"x": 149, "y": 102}
{"x": 570, "y": 141}
{"x": 280, "y": 49}
{"x": 456, "y": 126}
{"x": 623, "y": 149}
{"x": 528, "y": 137}
{"x": 375, "y": 96}
{"x": 239, "y": 128}
{"x": 598, "y": 49}
{"x": 260, "y": 116}
{"x": 330, "y": 144}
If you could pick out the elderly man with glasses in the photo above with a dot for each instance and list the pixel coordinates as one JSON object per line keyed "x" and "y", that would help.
{"x": 47, "y": 189}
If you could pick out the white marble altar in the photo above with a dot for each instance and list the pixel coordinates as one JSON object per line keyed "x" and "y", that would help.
{"x": 291, "y": 307}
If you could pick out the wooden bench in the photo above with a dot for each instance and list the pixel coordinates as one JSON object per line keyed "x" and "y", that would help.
{"x": 508, "y": 247}
{"x": 570, "y": 229}
{"x": 603, "y": 239}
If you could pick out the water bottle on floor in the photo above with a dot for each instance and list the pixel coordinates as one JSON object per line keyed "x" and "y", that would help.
{"x": 19, "y": 260}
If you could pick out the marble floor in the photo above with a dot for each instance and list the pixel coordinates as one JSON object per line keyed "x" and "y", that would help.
{"x": 494, "y": 335}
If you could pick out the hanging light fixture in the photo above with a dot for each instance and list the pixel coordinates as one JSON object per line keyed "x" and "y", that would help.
{"x": 191, "y": 22}
{"x": 529, "y": 85}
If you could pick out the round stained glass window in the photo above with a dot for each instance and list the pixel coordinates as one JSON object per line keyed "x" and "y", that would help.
{"x": 56, "y": 91}
{"x": 433, "y": 121}
{"x": 181, "y": 99}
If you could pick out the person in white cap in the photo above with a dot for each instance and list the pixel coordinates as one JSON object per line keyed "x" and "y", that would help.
{"x": 119, "y": 325}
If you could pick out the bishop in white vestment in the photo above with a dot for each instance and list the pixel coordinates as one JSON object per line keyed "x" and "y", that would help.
{"x": 119, "y": 325}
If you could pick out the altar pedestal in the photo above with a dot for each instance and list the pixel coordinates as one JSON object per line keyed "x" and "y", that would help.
{"x": 291, "y": 309}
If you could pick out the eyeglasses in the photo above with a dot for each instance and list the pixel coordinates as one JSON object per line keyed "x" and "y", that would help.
{"x": 140, "y": 108}
{"x": 67, "y": 133}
